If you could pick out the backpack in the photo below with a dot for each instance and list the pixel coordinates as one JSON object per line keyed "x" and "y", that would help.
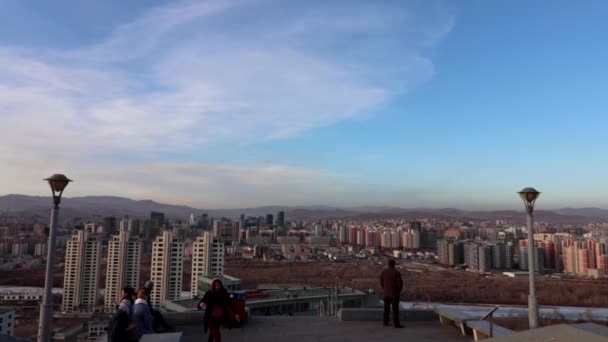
{"x": 117, "y": 327}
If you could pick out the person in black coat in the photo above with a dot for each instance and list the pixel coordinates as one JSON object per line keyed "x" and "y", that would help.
{"x": 218, "y": 310}
{"x": 118, "y": 327}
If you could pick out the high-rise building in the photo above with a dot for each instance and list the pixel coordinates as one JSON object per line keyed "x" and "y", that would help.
{"x": 471, "y": 255}
{"x": 318, "y": 230}
{"x": 269, "y": 220}
{"x": 410, "y": 239}
{"x": 416, "y": 225}
{"x": 449, "y": 252}
{"x": 81, "y": 273}
{"x": 539, "y": 259}
{"x": 109, "y": 224}
{"x": 167, "y": 268}
{"x": 502, "y": 256}
{"x": 281, "y": 219}
{"x": 227, "y": 231}
{"x": 157, "y": 221}
{"x": 207, "y": 259}
{"x": 124, "y": 258}
{"x": 360, "y": 237}
{"x": 485, "y": 258}
{"x": 343, "y": 234}
{"x": 428, "y": 239}
{"x": 7, "y": 323}
{"x": 372, "y": 238}
{"x": 192, "y": 220}
{"x": 236, "y": 229}
{"x": 442, "y": 252}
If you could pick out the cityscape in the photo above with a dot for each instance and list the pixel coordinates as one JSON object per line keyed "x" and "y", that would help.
{"x": 255, "y": 170}
{"x": 181, "y": 254}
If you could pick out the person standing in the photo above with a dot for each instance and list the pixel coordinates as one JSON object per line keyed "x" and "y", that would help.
{"x": 217, "y": 305}
{"x": 126, "y": 300}
{"x": 159, "y": 320}
{"x": 142, "y": 316}
{"x": 392, "y": 284}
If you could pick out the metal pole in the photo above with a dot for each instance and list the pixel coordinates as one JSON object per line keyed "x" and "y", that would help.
{"x": 46, "y": 309}
{"x": 532, "y": 304}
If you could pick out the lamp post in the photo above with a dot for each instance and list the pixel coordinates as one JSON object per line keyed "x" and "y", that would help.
{"x": 529, "y": 196}
{"x": 57, "y": 183}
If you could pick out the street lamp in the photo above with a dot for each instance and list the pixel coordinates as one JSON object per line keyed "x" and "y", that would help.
{"x": 57, "y": 183}
{"x": 529, "y": 196}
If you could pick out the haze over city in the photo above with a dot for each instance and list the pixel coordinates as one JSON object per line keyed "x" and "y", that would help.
{"x": 232, "y": 104}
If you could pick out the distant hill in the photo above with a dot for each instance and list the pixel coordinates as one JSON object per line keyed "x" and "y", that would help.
{"x": 588, "y": 212}
{"x": 91, "y": 206}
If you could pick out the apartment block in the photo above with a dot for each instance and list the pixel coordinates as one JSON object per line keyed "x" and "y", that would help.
{"x": 80, "y": 282}
{"x": 124, "y": 259}
{"x": 207, "y": 259}
{"x": 167, "y": 268}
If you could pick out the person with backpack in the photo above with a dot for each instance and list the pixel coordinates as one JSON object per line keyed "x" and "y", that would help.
{"x": 159, "y": 321}
{"x": 142, "y": 316}
{"x": 127, "y": 300}
{"x": 118, "y": 327}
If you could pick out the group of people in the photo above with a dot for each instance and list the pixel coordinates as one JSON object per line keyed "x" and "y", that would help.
{"x": 135, "y": 316}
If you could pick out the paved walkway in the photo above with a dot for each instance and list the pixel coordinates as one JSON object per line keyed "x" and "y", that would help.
{"x": 317, "y": 329}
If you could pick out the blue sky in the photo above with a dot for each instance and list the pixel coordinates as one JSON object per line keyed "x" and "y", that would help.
{"x": 245, "y": 103}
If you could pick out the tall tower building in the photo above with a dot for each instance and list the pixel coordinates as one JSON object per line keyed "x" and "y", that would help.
{"x": 281, "y": 219}
{"x": 269, "y": 220}
{"x": 124, "y": 258}
{"x": 109, "y": 224}
{"x": 167, "y": 268}
{"x": 157, "y": 221}
{"x": 81, "y": 272}
{"x": 207, "y": 259}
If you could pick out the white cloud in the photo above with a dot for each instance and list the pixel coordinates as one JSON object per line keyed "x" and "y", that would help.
{"x": 192, "y": 73}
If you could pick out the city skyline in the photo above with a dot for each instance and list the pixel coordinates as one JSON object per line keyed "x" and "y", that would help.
{"x": 236, "y": 104}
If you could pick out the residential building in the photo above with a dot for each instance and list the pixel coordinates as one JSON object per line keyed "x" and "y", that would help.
{"x": 81, "y": 275}
{"x": 124, "y": 259}
{"x": 207, "y": 259}
{"x": 167, "y": 268}
{"x": 7, "y": 321}
{"x": 281, "y": 219}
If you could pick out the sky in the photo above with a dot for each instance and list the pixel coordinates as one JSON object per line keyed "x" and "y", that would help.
{"x": 230, "y": 104}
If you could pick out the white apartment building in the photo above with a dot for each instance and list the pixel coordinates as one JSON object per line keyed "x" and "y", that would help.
{"x": 207, "y": 259}
{"x": 7, "y": 321}
{"x": 80, "y": 282}
{"x": 124, "y": 258}
{"x": 167, "y": 268}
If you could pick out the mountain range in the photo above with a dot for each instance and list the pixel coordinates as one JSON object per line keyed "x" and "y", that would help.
{"x": 99, "y": 206}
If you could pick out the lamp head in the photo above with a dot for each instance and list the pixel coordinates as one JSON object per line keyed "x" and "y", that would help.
{"x": 529, "y": 196}
{"x": 57, "y": 182}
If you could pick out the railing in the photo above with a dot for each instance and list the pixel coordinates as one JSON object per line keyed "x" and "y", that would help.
{"x": 488, "y": 317}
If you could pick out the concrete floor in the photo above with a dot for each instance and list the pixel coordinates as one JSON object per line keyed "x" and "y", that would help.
{"x": 317, "y": 329}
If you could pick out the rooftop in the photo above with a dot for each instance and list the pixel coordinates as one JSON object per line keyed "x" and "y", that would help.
{"x": 302, "y": 328}
{"x": 4, "y": 309}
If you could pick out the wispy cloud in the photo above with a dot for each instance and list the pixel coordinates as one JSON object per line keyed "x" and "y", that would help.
{"x": 191, "y": 73}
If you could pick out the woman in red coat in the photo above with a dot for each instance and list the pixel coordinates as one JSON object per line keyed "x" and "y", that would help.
{"x": 218, "y": 310}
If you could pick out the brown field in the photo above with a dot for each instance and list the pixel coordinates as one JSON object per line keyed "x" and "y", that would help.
{"x": 421, "y": 283}
{"x": 424, "y": 284}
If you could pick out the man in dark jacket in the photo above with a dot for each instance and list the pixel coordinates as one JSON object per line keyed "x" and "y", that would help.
{"x": 391, "y": 283}
{"x": 159, "y": 320}
{"x": 118, "y": 327}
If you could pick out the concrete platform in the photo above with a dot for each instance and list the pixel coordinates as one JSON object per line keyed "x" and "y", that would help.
{"x": 319, "y": 329}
